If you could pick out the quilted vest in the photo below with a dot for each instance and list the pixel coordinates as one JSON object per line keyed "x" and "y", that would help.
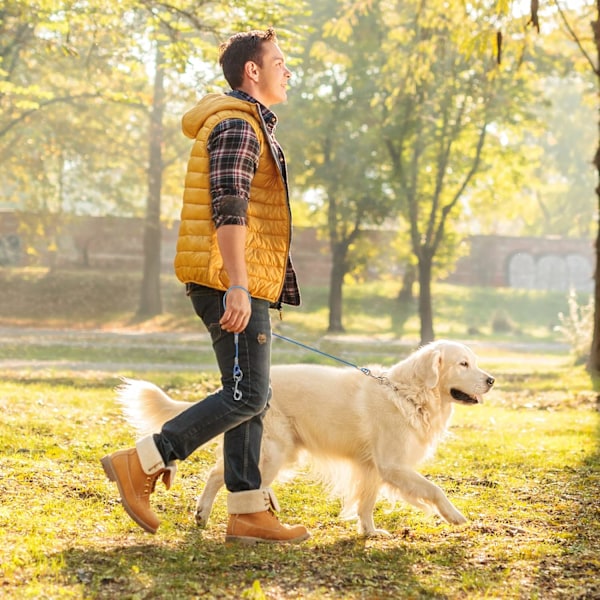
{"x": 268, "y": 235}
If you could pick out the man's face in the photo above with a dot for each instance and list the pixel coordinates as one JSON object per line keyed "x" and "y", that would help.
{"x": 272, "y": 77}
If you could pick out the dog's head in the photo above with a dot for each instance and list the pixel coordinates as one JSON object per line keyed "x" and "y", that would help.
{"x": 452, "y": 368}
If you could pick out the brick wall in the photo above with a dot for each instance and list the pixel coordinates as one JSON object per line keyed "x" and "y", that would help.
{"x": 112, "y": 242}
{"x": 527, "y": 263}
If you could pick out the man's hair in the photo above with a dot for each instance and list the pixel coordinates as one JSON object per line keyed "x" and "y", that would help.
{"x": 239, "y": 49}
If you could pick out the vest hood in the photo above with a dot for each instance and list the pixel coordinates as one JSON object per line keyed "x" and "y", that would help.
{"x": 194, "y": 119}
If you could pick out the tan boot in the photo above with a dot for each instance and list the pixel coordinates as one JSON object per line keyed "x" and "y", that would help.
{"x": 135, "y": 472}
{"x": 252, "y": 519}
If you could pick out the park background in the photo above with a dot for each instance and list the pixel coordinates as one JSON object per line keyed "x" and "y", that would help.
{"x": 442, "y": 176}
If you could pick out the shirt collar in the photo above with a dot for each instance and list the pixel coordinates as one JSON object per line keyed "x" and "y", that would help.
{"x": 268, "y": 115}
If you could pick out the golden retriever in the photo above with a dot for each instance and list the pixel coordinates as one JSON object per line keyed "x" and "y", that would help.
{"x": 369, "y": 430}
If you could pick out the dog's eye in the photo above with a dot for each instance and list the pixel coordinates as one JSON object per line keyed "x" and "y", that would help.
{"x": 464, "y": 363}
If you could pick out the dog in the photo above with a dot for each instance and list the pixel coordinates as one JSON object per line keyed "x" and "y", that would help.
{"x": 365, "y": 429}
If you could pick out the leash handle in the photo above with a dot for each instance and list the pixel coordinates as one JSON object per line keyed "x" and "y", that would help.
{"x": 235, "y": 287}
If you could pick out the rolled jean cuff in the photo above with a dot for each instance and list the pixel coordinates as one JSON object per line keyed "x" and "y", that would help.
{"x": 252, "y": 501}
{"x": 150, "y": 458}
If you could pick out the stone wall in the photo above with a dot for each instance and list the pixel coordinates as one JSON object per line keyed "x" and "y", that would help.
{"x": 527, "y": 263}
{"x": 117, "y": 243}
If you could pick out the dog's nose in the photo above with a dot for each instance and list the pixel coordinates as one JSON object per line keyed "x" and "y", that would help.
{"x": 490, "y": 381}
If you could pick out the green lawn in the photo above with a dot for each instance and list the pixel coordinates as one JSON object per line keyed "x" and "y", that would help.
{"x": 105, "y": 299}
{"x": 524, "y": 468}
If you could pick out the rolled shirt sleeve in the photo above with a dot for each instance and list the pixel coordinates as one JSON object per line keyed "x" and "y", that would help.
{"x": 234, "y": 151}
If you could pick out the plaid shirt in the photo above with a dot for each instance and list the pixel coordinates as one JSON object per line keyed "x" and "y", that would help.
{"x": 234, "y": 152}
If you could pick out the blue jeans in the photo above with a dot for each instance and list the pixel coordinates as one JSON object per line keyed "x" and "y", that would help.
{"x": 240, "y": 420}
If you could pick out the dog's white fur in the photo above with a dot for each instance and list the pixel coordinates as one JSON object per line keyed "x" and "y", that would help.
{"x": 371, "y": 430}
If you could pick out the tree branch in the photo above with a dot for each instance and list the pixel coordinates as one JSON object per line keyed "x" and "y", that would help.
{"x": 57, "y": 100}
{"x": 575, "y": 38}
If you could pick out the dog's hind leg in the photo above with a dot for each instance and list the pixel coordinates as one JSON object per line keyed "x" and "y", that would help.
{"x": 214, "y": 483}
{"x": 366, "y": 493}
{"x": 420, "y": 492}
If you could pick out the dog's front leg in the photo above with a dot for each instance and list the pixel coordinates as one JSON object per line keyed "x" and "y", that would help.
{"x": 420, "y": 492}
{"x": 206, "y": 500}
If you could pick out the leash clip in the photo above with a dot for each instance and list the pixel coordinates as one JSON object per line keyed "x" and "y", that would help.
{"x": 237, "y": 371}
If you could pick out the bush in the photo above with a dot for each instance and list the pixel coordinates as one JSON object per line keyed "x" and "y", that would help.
{"x": 501, "y": 322}
{"x": 577, "y": 326}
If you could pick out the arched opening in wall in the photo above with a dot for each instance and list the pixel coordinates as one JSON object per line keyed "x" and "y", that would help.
{"x": 521, "y": 271}
{"x": 580, "y": 274}
{"x": 10, "y": 250}
{"x": 551, "y": 273}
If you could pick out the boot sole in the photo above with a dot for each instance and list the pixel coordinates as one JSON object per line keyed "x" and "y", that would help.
{"x": 112, "y": 476}
{"x": 251, "y": 541}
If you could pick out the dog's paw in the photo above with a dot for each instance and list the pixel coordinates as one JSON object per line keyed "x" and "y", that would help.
{"x": 378, "y": 533}
{"x": 457, "y": 518}
{"x": 201, "y": 519}
{"x": 369, "y": 530}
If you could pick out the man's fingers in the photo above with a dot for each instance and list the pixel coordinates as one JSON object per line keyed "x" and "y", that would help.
{"x": 234, "y": 322}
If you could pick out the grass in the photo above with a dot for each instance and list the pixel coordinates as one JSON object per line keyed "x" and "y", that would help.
{"x": 107, "y": 300}
{"x": 524, "y": 468}
{"x": 526, "y": 474}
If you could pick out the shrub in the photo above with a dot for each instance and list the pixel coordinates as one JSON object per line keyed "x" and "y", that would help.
{"x": 501, "y": 322}
{"x": 577, "y": 326}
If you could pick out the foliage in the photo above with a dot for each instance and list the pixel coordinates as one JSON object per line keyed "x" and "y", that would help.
{"x": 393, "y": 103}
{"x": 406, "y": 106}
{"x": 337, "y": 150}
{"x": 576, "y": 326}
{"x": 76, "y": 93}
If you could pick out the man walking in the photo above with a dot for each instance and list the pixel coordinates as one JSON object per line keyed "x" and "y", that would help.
{"x": 233, "y": 255}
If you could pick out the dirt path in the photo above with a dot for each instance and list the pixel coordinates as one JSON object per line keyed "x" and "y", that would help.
{"x": 81, "y": 339}
{"x": 164, "y": 341}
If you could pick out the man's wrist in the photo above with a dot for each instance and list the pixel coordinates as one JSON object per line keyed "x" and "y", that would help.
{"x": 235, "y": 287}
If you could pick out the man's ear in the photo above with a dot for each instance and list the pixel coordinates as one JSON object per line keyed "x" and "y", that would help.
{"x": 251, "y": 70}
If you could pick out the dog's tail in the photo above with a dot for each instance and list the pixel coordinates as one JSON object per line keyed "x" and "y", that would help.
{"x": 145, "y": 406}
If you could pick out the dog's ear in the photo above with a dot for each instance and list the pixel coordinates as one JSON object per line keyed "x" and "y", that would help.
{"x": 429, "y": 367}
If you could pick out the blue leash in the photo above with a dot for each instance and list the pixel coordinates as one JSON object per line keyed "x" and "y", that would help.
{"x": 237, "y": 371}
{"x": 287, "y": 339}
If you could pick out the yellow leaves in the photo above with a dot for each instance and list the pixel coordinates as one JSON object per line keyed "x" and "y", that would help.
{"x": 26, "y": 96}
{"x": 322, "y": 51}
{"x": 342, "y": 26}
{"x": 503, "y": 6}
{"x": 255, "y": 592}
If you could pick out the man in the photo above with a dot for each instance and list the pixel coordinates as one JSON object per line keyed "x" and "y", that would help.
{"x": 233, "y": 256}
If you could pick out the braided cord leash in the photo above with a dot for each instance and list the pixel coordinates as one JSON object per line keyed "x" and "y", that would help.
{"x": 364, "y": 370}
{"x": 381, "y": 379}
{"x": 237, "y": 371}
{"x": 238, "y": 374}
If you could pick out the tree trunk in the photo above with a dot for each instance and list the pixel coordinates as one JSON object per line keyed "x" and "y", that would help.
{"x": 594, "y": 362}
{"x": 405, "y": 296}
{"x": 150, "y": 298}
{"x": 336, "y": 283}
{"x": 425, "y": 305}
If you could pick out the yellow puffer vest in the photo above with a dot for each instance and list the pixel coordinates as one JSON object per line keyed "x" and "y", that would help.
{"x": 197, "y": 257}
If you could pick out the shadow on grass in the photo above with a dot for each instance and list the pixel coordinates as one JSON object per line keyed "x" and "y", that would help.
{"x": 578, "y": 567}
{"x": 197, "y": 567}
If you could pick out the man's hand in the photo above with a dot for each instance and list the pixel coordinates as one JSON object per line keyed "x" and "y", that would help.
{"x": 232, "y": 244}
{"x": 238, "y": 309}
